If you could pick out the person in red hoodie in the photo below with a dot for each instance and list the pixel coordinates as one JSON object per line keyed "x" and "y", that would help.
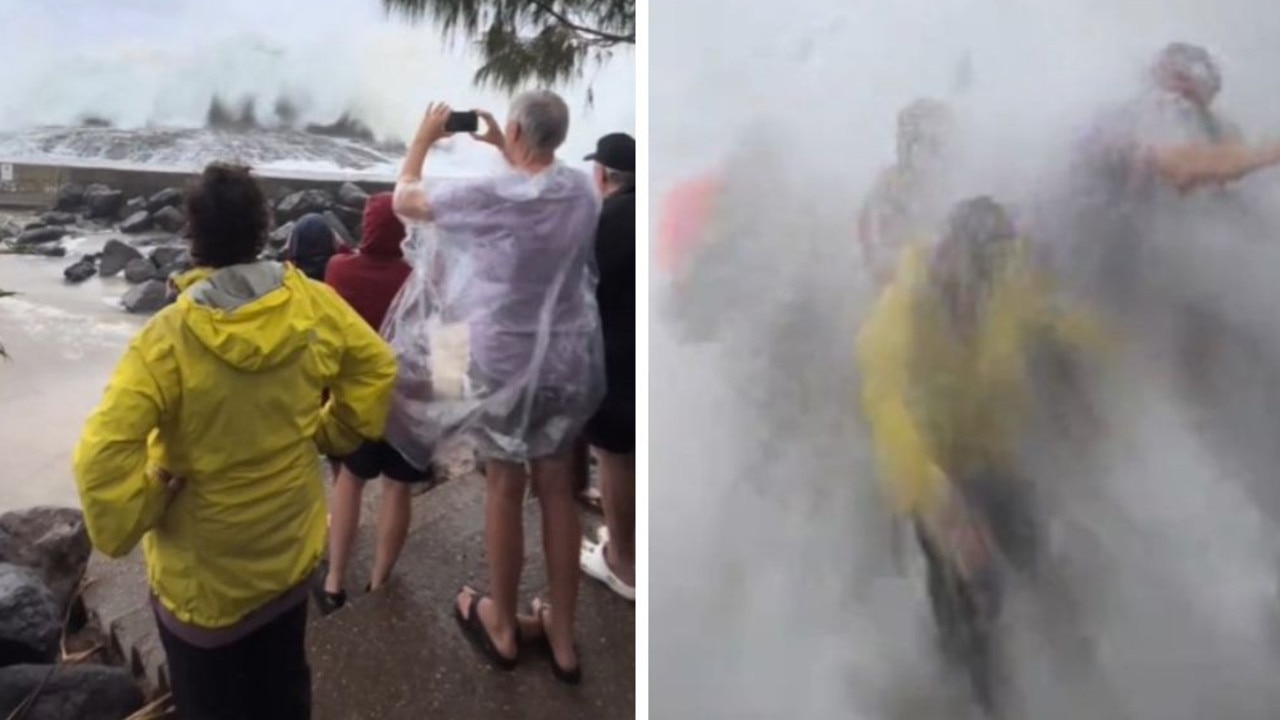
{"x": 369, "y": 280}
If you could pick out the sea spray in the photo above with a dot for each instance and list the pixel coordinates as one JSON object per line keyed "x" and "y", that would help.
{"x": 774, "y": 593}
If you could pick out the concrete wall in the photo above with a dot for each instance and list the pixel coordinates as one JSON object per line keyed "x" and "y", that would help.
{"x": 34, "y": 185}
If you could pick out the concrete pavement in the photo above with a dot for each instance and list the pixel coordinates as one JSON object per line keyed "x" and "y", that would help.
{"x": 399, "y": 653}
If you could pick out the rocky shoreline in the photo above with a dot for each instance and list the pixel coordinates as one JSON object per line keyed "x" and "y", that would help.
{"x": 54, "y": 663}
{"x": 149, "y": 250}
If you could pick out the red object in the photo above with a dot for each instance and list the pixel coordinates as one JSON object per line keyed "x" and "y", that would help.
{"x": 370, "y": 278}
{"x": 685, "y": 212}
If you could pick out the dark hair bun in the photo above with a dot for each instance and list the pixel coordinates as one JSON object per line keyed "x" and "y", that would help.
{"x": 227, "y": 215}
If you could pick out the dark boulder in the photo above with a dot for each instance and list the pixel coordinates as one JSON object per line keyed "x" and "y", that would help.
{"x": 30, "y": 624}
{"x": 135, "y": 205}
{"x": 50, "y": 540}
{"x": 140, "y": 270}
{"x": 350, "y": 195}
{"x": 149, "y": 297}
{"x": 80, "y": 270}
{"x": 57, "y": 217}
{"x": 170, "y": 260}
{"x": 302, "y": 203}
{"x": 169, "y": 219}
{"x": 35, "y": 225}
{"x": 70, "y": 198}
{"x": 43, "y": 235}
{"x": 136, "y": 223}
{"x": 342, "y": 231}
{"x": 102, "y": 202}
{"x": 280, "y": 236}
{"x": 167, "y": 255}
{"x": 169, "y": 197}
{"x": 51, "y": 251}
{"x": 115, "y": 256}
{"x": 71, "y": 692}
{"x": 352, "y": 220}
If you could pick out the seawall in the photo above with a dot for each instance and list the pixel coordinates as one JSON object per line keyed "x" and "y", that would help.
{"x": 34, "y": 184}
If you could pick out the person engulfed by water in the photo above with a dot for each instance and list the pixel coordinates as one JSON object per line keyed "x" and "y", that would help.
{"x": 908, "y": 198}
{"x": 947, "y": 392}
{"x": 610, "y": 558}
{"x": 311, "y": 245}
{"x": 206, "y": 448}
{"x": 498, "y": 336}
{"x": 369, "y": 280}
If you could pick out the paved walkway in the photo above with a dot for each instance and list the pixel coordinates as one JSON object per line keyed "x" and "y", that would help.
{"x": 399, "y": 653}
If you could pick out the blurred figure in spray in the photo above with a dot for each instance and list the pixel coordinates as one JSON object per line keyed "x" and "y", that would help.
{"x": 947, "y": 391}
{"x": 908, "y": 198}
{"x": 610, "y": 557}
{"x": 498, "y": 335}
{"x": 369, "y": 280}
{"x": 1146, "y": 157}
{"x": 311, "y": 245}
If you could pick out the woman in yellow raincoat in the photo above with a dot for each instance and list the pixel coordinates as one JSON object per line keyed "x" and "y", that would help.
{"x": 946, "y": 369}
{"x": 206, "y": 447}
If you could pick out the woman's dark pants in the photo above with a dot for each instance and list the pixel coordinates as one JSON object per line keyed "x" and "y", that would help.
{"x": 264, "y": 675}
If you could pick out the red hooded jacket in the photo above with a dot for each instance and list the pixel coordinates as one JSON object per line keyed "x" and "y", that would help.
{"x": 370, "y": 278}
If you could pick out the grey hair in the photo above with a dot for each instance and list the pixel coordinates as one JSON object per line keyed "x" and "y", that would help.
{"x": 620, "y": 179}
{"x": 543, "y": 119}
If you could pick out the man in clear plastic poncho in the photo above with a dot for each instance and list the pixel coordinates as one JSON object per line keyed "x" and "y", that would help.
{"x": 498, "y": 339}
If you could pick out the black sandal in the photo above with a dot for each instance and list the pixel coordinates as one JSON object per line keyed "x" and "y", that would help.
{"x": 568, "y": 676}
{"x": 326, "y": 602}
{"x": 473, "y": 627}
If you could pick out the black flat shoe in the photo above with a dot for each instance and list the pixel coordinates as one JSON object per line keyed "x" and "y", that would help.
{"x": 568, "y": 677}
{"x": 326, "y": 602}
{"x": 475, "y": 631}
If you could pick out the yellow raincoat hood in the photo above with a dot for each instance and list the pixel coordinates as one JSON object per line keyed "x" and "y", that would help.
{"x": 223, "y": 389}
{"x": 246, "y": 315}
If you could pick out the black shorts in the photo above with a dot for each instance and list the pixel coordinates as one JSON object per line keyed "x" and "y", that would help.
{"x": 373, "y": 459}
{"x": 613, "y": 427}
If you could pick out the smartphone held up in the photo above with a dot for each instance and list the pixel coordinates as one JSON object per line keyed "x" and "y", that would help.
{"x": 466, "y": 122}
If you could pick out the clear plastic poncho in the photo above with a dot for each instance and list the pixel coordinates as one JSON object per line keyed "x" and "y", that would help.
{"x": 496, "y": 330}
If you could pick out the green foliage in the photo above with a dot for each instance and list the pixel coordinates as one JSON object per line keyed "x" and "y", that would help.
{"x": 524, "y": 41}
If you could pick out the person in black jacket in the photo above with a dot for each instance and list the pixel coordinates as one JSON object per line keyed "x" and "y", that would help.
{"x": 610, "y": 557}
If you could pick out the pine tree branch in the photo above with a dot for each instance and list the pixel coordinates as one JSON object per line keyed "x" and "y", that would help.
{"x": 563, "y": 20}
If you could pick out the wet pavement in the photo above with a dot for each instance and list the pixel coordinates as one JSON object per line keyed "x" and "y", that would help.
{"x": 399, "y": 653}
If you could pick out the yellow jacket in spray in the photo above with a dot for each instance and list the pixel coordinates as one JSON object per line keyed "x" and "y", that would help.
{"x": 942, "y": 408}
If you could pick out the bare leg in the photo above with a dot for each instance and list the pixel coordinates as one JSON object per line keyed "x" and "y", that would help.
{"x": 343, "y": 523}
{"x": 561, "y": 541}
{"x": 618, "y": 498}
{"x": 504, "y": 544}
{"x": 393, "y": 527}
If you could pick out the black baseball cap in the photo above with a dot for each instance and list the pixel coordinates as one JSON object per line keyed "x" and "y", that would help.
{"x": 616, "y": 151}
